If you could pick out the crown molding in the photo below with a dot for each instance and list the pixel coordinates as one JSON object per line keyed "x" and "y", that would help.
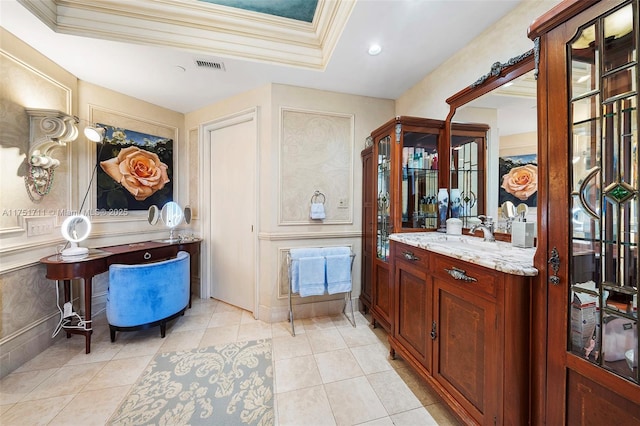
{"x": 201, "y": 27}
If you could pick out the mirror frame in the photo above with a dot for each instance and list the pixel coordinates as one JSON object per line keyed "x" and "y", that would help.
{"x": 500, "y": 74}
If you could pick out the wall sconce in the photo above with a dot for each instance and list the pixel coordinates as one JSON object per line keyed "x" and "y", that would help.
{"x": 48, "y": 130}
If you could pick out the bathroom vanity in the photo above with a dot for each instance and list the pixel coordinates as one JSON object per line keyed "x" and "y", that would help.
{"x": 461, "y": 321}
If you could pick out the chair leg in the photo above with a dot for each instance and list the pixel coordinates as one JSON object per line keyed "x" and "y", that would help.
{"x": 113, "y": 335}
{"x": 163, "y": 329}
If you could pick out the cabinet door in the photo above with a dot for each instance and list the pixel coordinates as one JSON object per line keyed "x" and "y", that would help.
{"x": 413, "y": 294}
{"x": 589, "y": 98}
{"x": 465, "y": 349}
{"x": 382, "y": 295}
{"x": 418, "y": 177}
{"x": 368, "y": 217}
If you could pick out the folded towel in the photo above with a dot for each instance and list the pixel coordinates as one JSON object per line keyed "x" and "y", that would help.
{"x": 332, "y": 251}
{"x": 297, "y": 254}
{"x": 338, "y": 273}
{"x": 317, "y": 211}
{"x": 312, "y": 276}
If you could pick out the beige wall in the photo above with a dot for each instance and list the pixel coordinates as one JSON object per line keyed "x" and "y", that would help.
{"x": 504, "y": 40}
{"x": 274, "y": 238}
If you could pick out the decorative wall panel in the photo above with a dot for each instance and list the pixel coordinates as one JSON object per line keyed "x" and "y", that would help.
{"x": 316, "y": 154}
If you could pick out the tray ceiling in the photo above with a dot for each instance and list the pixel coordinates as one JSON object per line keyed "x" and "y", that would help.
{"x": 206, "y": 27}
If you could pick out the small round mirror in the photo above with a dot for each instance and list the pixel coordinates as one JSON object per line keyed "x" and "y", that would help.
{"x": 187, "y": 214}
{"x": 522, "y": 209}
{"x": 171, "y": 214}
{"x": 153, "y": 215}
{"x": 508, "y": 210}
{"x": 75, "y": 229}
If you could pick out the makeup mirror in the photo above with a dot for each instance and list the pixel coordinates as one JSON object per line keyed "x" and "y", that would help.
{"x": 153, "y": 215}
{"x": 171, "y": 215}
{"x": 75, "y": 229}
{"x": 504, "y": 100}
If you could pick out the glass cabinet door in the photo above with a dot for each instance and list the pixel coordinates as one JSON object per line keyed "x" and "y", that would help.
{"x": 385, "y": 223}
{"x": 467, "y": 177}
{"x": 605, "y": 211}
{"x": 419, "y": 173}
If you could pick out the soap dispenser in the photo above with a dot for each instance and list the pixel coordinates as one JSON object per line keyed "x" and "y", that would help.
{"x": 522, "y": 233}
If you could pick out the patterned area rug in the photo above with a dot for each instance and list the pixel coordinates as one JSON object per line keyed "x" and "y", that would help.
{"x": 223, "y": 385}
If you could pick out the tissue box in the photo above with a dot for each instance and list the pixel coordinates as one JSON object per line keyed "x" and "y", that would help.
{"x": 523, "y": 234}
{"x": 584, "y": 318}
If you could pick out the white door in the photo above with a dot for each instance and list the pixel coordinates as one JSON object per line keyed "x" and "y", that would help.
{"x": 232, "y": 211}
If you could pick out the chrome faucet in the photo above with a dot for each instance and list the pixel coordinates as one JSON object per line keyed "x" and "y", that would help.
{"x": 487, "y": 227}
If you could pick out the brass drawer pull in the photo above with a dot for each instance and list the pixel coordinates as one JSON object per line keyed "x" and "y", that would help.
{"x": 410, "y": 256}
{"x": 147, "y": 256}
{"x": 459, "y": 274}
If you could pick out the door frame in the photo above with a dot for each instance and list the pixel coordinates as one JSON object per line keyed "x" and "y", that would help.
{"x": 247, "y": 115}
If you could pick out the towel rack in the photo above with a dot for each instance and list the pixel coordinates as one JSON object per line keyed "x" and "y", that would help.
{"x": 315, "y": 198}
{"x": 347, "y": 294}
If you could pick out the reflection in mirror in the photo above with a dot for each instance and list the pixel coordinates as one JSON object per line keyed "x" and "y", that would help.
{"x": 153, "y": 215}
{"x": 172, "y": 216}
{"x": 506, "y": 103}
{"x": 508, "y": 213}
{"x": 187, "y": 214}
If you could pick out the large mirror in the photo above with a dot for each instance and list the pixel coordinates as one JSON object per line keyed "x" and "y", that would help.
{"x": 499, "y": 172}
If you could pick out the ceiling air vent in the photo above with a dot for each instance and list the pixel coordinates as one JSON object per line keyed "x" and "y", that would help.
{"x": 214, "y": 65}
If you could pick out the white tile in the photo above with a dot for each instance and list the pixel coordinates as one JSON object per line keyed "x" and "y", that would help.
{"x": 393, "y": 392}
{"x": 67, "y": 380}
{"x": 325, "y": 340}
{"x": 372, "y": 358}
{"x": 296, "y": 373}
{"x": 91, "y": 407}
{"x": 16, "y": 385}
{"x": 354, "y": 401}
{"x": 39, "y": 412}
{"x": 419, "y": 416}
{"x": 290, "y": 347}
{"x": 119, "y": 372}
{"x": 337, "y": 365}
{"x": 308, "y": 406}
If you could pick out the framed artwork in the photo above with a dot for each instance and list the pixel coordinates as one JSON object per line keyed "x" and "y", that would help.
{"x": 135, "y": 170}
{"x": 518, "y": 179}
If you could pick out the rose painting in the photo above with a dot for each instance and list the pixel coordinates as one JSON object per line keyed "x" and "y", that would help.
{"x": 518, "y": 179}
{"x": 135, "y": 170}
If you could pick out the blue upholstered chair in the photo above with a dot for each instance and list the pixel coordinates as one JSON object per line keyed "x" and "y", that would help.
{"x": 147, "y": 295}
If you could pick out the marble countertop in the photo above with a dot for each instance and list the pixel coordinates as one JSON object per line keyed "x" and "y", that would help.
{"x": 498, "y": 255}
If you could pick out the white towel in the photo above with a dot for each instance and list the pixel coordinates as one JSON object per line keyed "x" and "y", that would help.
{"x": 294, "y": 271}
{"x": 312, "y": 276}
{"x": 317, "y": 211}
{"x": 338, "y": 273}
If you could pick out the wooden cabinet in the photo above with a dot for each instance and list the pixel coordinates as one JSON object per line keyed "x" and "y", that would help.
{"x": 405, "y": 181}
{"x": 368, "y": 218}
{"x": 413, "y": 294}
{"x": 588, "y": 209}
{"x": 468, "y": 339}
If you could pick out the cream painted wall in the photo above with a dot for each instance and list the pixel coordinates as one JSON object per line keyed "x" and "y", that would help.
{"x": 274, "y": 239}
{"x": 504, "y": 40}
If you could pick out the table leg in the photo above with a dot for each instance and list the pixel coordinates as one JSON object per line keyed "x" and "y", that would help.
{"x": 88, "y": 290}
{"x": 67, "y": 297}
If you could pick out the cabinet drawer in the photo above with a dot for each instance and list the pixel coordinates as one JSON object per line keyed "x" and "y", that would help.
{"x": 486, "y": 279}
{"x": 145, "y": 255}
{"x": 413, "y": 255}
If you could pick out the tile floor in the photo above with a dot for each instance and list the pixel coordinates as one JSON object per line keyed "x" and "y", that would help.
{"x": 328, "y": 374}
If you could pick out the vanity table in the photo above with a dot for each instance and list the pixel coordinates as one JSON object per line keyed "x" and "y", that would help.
{"x": 98, "y": 261}
{"x": 462, "y": 321}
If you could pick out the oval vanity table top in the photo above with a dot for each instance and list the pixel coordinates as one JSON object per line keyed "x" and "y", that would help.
{"x": 498, "y": 255}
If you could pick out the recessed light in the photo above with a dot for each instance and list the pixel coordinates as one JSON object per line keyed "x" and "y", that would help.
{"x": 375, "y": 49}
